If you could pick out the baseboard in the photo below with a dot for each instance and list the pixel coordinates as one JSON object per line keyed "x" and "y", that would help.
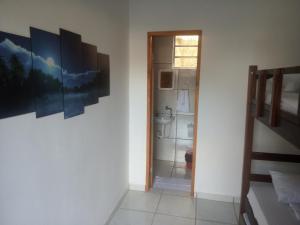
{"x": 217, "y": 197}
{"x": 116, "y": 208}
{"x": 136, "y": 187}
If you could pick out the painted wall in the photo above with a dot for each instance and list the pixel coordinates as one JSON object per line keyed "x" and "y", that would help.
{"x": 236, "y": 34}
{"x": 68, "y": 172}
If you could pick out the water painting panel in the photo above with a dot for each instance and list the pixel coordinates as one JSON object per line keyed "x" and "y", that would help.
{"x": 89, "y": 56}
{"x": 72, "y": 73}
{"x": 46, "y": 69}
{"x": 16, "y": 97}
{"x": 103, "y": 78}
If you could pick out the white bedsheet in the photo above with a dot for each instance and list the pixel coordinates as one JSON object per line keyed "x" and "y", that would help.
{"x": 266, "y": 208}
{"x": 289, "y": 101}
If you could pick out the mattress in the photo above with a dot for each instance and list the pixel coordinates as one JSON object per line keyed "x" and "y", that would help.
{"x": 266, "y": 208}
{"x": 289, "y": 101}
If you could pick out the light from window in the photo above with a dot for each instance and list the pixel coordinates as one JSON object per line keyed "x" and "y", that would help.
{"x": 186, "y": 51}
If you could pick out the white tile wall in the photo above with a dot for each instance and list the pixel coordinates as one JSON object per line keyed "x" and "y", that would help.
{"x": 164, "y": 149}
{"x": 183, "y": 123}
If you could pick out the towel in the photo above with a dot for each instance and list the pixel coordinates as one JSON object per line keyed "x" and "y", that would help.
{"x": 183, "y": 103}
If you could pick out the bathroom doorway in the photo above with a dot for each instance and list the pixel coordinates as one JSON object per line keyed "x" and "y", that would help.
{"x": 172, "y": 109}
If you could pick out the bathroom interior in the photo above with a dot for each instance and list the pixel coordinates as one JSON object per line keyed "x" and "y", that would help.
{"x": 174, "y": 66}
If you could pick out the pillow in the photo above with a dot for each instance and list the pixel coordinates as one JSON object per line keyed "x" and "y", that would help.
{"x": 287, "y": 186}
{"x": 296, "y": 209}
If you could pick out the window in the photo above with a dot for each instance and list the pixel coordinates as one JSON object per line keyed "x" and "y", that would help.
{"x": 185, "y": 51}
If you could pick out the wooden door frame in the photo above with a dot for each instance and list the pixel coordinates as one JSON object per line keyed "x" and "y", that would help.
{"x": 149, "y": 178}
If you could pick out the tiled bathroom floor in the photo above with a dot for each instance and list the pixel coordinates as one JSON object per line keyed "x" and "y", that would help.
{"x": 164, "y": 168}
{"x": 172, "y": 208}
{"x": 170, "y": 175}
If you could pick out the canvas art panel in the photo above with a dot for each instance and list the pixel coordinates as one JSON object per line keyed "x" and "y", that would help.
{"x": 89, "y": 57}
{"x": 103, "y": 81}
{"x": 46, "y": 69}
{"x": 72, "y": 72}
{"x": 16, "y": 96}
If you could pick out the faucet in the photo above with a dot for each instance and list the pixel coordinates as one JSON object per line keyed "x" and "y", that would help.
{"x": 170, "y": 110}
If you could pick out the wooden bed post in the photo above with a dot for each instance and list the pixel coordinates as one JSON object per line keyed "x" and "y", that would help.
{"x": 248, "y": 136}
{"x": 276, "y": 98}
{"x": 261, "y": 94}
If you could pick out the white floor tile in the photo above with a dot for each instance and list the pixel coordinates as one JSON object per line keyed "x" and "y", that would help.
{"x": 162, "y": 168}
{"x": 172, "y": 220}
{"x": 128, "y": 217}
{"x": 177, "y": 193}
{"x": 182, "y": 173}
{"x": 138, "y": 200}
{"x": 222, "y": 212}
{"x": 177, "y": 206}
{"x": 202, "y": 222}
{"x": 237, "y": 210}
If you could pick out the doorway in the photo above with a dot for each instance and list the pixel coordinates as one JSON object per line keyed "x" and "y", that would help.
{"x": 172, "y": 109}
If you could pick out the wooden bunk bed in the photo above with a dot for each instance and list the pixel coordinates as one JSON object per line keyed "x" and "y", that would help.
{"x": 266, "y": 106}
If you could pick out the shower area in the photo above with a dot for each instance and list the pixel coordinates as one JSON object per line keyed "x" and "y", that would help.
{"x": 174, "y": 66}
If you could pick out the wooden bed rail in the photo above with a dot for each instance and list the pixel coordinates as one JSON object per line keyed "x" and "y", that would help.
{"x": 275, "y": 157}
{"x": 286, "y": 70}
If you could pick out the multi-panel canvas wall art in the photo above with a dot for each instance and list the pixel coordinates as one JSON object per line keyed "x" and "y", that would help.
{"x": 46, "y": 70}
{"x": 50, "y": 73}
{"x": 16, "y": 81}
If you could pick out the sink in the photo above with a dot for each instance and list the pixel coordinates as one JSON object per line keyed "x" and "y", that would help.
{"x": 163, "y": 119}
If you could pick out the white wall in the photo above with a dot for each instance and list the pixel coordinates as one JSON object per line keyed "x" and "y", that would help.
{"x": 236, "y": 34}
{"x": 68, "y": 172}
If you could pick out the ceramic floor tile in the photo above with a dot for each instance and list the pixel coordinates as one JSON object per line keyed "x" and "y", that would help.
{"x": 177, "y": 206}
{"x": 162, "y": 168}
{"x": 172, "y": 220}
{"x": 182, "y": 173}
{"x": 222, "y": 212}
{"x": 177, "y": 193}
{"x": 237, "y": 210}
{"x": 138, "y": 200}
{"x": 202, "y": 222}
{"x": 128, "y": 217}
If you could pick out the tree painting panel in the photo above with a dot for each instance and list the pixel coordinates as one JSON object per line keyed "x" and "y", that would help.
{"x": 16, "y": 96}
{"x": 46, "y": 70}
{"x": 72, "y": 73}
{"x": 103, "y": 76}
{"x": 89, "y": 57}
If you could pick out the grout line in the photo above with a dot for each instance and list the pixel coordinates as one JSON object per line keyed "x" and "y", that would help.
{"x": 234, "y": 209}
{"x": 112, "y": 215}
{"x": 196, "y": 204}
{"x": 166, "y": 214}
{"x": 156, "y": 208}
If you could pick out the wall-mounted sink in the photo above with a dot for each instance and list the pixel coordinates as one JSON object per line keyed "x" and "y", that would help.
{"x": 164, "y": 120}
